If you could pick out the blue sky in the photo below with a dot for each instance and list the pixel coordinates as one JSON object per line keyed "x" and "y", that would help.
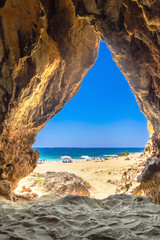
{"x": 104, "y": 113}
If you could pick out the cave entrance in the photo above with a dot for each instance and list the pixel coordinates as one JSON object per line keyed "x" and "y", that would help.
{"x": 104, "y": 113}
{"x": 102, "y": 119}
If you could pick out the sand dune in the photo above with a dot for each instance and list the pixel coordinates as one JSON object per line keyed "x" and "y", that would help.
{"x": 119, "y": 217}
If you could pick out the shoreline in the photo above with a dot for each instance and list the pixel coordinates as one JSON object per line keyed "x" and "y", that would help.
{"x": 55, "y": 154}
{"x": 92, "y": 158}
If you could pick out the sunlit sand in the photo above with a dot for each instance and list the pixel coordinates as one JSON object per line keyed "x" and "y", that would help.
{"x": 101, "y": 175}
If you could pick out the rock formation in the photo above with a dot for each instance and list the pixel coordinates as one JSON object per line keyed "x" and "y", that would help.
{"x": 132, "y": 183}
{"x": 62, "y": 183}
{"x": 131, "y": 31}
{"x": 47, "y": 47}
{"x": 45, "y": 52}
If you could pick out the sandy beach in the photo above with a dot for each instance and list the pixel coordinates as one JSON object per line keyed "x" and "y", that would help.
{"x": 101, "y": 175}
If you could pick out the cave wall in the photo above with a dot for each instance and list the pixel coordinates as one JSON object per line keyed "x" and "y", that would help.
{"x": 131, "y": 29}
{"x": 47, "y": 47}
{"x": 45, "y": 53}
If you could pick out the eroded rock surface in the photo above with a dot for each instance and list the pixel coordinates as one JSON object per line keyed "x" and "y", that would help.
{"x": 143, "y": 178}
{"x": 47, "y": 47}
{"x": 6, "y": 191}
{"x": 45, "y": 52}
{"x": 131, "y": 30}
{"x": 64, "y": 183}
{"x": 119, "y": 217}
{"x": 61, "y": 183}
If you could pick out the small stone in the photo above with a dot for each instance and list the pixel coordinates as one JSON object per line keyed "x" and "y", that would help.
{"x": 5, "y": 190}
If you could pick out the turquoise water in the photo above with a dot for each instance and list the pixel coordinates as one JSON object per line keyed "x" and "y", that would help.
{"x": 54, "y": 154}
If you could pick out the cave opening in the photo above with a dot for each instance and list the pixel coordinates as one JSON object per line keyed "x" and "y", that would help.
{"x": 101, "y": 121}
{"x": 104, "y": 113}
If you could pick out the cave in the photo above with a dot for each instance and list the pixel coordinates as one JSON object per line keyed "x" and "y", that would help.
{"x": 40, "y": 41}
{"x": 38, "y": 74}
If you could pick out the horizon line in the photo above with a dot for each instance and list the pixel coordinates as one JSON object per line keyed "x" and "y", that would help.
{"x": 89, "y": 147}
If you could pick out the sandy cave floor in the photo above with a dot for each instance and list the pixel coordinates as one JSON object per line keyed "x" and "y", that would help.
{"x": 118, "y": 217}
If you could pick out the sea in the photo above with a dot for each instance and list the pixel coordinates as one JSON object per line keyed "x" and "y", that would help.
{"x": 54, "y": 154}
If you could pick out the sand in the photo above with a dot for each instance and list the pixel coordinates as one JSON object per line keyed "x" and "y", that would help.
{"x": 119, "y": 217}
{"x": 74, "y": 217}
{"x": 96, "y": 173}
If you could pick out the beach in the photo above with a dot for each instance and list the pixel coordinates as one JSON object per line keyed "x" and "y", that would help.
{"x": 102, "y": 176}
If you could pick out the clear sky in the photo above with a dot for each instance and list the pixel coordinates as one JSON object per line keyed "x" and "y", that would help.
{"x": 104, "y": 113}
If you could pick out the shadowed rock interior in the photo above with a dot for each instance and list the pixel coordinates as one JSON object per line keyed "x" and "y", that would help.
{"x": 38, "y": 74}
